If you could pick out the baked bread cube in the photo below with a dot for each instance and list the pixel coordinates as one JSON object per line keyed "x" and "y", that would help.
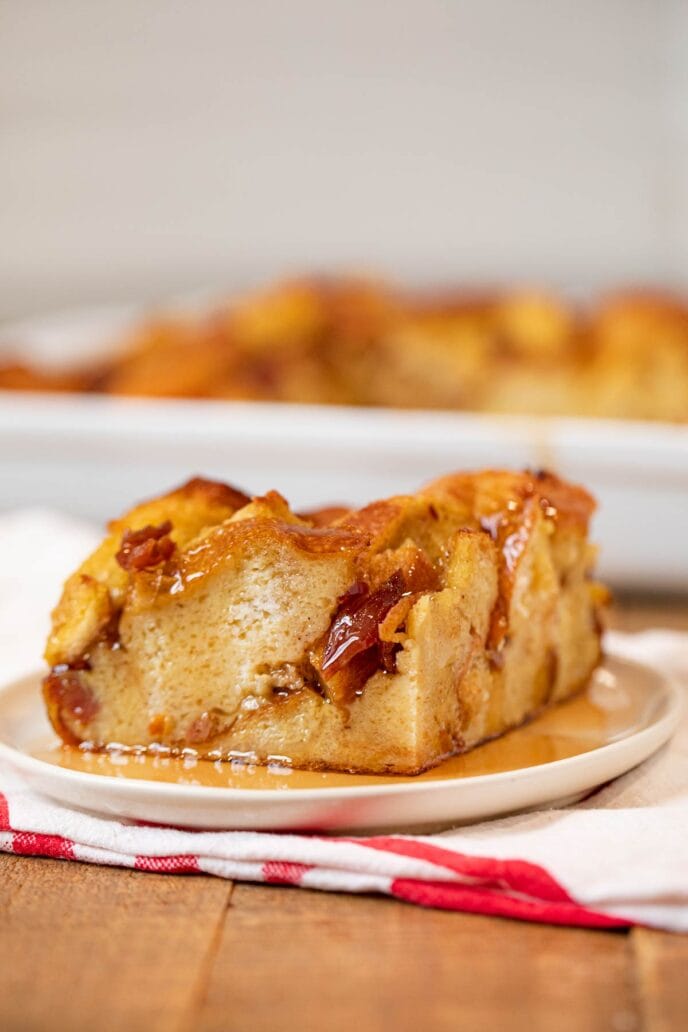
{"x": 381, "y": 640}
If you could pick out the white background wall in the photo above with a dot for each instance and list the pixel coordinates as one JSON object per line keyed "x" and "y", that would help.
{"x": 150, "y": 146}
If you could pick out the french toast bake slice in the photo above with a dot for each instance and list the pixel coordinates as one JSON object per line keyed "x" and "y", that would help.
{"x": 378, "y": 640}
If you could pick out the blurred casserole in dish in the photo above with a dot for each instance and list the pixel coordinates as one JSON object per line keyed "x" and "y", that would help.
{"x": 359, "y": 342}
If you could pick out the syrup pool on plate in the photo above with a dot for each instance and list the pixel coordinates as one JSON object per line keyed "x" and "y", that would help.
{"x": 603, "y": 713}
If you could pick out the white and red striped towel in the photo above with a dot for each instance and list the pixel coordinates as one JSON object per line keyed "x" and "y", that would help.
{"x": 618, "y": 858}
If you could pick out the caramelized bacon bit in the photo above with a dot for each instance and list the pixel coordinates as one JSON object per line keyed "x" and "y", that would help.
{"x": 69, "y": 700}
{"x": 355, "y": 627}
{"x": 146, "y": 548}
{"x": 388, "y": 656}
{"x": 359, "y": 643}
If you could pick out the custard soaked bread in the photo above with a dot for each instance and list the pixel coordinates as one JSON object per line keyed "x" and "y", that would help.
{"x": 379, "y": 640}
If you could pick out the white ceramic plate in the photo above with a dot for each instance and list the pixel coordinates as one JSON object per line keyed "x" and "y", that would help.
{"x": 626, "y": 714}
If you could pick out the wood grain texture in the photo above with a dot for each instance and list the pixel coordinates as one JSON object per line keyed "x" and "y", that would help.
{"x": 294, "y": 959}
{"x": 661, "y": 962}
{"x": 99, "y": 948}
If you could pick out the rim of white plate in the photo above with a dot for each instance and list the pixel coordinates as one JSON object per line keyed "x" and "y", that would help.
{"x": 659, "y": 730}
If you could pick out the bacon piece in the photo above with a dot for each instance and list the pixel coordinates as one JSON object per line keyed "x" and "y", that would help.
{"x": 69, "y": 700}
{"x": 355, "y": 627}
{"x": 359, "y": 641}
{"x": 146, "y": 548}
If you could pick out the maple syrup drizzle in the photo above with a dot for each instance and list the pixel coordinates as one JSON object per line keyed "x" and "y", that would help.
{"x": 603, "y": 713}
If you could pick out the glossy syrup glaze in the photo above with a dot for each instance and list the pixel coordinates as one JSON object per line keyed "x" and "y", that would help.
{"x": 605, "y": 712}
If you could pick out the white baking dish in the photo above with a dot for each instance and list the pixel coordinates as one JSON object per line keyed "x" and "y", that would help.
{"x": 93, "y": 456}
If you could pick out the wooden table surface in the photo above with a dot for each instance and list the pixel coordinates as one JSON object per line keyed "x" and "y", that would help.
{"x": 94, "y": 948}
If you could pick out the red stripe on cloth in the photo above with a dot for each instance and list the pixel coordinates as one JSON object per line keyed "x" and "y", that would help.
{"x": 451, "y": 896}
{"x": 284, "y": 872}
{"x": 168, "y": 864}
{"x": 4, "y": 813}
{"x": 29, "y": 843}
{"x": 518, "y": 875}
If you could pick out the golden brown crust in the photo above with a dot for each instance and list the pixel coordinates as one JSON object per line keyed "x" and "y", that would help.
{"x": 325, "y": 516}
{"x": 494, "y": 491}
{"x": 507, "y": 506}
{"x": 228, "y": 543}
{"x": 377, "y": 521}
{"x": 213, "y": 492}
{"x": 214, "y": 495}
{"x": 96, "y": 590}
